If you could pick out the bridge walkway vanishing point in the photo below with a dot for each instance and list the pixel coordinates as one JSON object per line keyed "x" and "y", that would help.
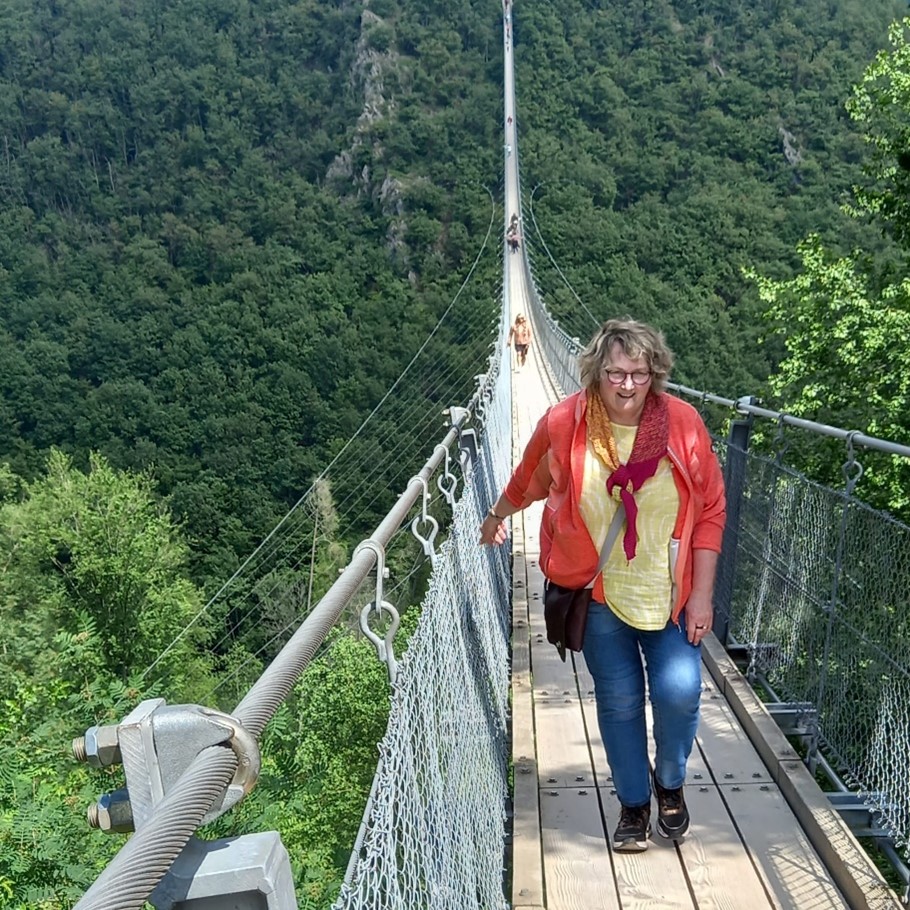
{"x": 763, "y": 833}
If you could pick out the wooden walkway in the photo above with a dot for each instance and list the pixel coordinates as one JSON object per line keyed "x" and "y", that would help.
{"x": 762, "y": 832}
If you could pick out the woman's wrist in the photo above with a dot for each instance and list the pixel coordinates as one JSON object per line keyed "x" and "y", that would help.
{"x": 492, "y": 514}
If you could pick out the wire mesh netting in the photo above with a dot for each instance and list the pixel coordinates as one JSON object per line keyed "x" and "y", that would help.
{"x": 435, "y": 824}
{"x": 820, "y": 602}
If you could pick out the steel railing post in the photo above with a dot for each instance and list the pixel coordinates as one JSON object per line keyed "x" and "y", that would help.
{"x": 734, "y": 482}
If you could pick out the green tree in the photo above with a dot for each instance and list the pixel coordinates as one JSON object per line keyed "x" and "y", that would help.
{"x": 880, "y": 104}
{"x": 48, "y": 854}
{"x": 92, "y": 591}
{"x": 845, "y": 320}
{"x": 96, "y": 548}
{"x": 847, "y": 343}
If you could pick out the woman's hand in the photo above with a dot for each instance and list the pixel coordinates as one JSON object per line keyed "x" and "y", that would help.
{"x": 492, "y": 531}
{"x": 699, "y": 616}
{"x": 699, "y": 607}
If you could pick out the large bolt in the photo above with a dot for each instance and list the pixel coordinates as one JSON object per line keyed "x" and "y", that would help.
{"x": 79, "y": 748}
{"x": 100, "y": 746}
{"x": 112, "y": 813}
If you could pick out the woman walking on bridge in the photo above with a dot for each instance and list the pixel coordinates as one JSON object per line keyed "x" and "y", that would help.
{"x": 622, "y": 443}
{"x": 520, "y": 333}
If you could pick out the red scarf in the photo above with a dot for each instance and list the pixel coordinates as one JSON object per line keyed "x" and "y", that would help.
{"x": 649, "y": 447}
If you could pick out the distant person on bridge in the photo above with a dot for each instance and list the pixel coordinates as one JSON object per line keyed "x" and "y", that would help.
{"x": 623, "y": 440}
{"x": 520, "y": 333}
{"x": 513, "y": 234}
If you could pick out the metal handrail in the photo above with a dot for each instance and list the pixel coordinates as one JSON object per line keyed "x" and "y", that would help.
{"x": 744, "y": 406}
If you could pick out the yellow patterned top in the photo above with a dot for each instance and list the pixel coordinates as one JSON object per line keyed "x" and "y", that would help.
{"x": 638, "y": 592}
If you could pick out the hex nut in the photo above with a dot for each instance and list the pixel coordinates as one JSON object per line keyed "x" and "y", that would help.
{"x": 102, "y": 746}
{"x": 115, "y": 813}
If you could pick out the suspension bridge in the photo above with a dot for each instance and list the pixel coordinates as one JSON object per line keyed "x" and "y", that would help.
{"x": 491, "y": 787}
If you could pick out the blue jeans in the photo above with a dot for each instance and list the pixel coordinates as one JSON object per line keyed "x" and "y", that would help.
{"x": 613, "y": 652}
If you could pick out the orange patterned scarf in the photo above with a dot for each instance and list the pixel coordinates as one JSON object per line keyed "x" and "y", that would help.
{"x": 650, "y": 446}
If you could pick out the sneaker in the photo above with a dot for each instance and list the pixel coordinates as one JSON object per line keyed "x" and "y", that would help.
{"x": 672, "y": 814}
{"x": 633, "y": 830}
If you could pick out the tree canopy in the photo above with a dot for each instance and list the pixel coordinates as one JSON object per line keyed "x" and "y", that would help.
{"x": 221, "y": 238}
{"x": 845, "y": 319}
{"x": 229, "y": 232}
{"x": 668, "y": 146}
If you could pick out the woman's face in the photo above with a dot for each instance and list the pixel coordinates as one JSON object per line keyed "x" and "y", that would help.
{"x": 624, "y": 400}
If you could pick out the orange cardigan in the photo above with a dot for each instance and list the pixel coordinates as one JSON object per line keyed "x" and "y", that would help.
{"x": 552, "y": 468}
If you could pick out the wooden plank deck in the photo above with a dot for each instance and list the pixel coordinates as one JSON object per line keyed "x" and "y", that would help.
{"x": 747, "y": 792}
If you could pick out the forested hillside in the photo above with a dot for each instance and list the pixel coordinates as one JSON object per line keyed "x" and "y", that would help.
{"x": 224, "y": 229}
{"x": 670, "y": 145}
{"x": 227, "y": 228}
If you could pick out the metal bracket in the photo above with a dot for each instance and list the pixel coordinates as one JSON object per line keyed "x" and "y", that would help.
{"x": 794, "y": 718}
{"x": 860, "y": 818}
{"x": 743, "y": 403}
{"x": 251, "y": 872}
{"x": 156, "y": 743}
{"x": 467, "y": 450}
{"x": 183, "y": 731}
{"x": 456, "y": 414}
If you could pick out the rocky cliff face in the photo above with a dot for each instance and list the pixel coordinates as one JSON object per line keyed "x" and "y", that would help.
{"x": 355, "y": 166}
{"x": 791, "y": 150}
{"x": 367, "y": 79}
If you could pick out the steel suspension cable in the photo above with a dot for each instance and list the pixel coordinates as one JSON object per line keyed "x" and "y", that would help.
{"x": 147, "y": 856}
{"x": 252, "y": 557}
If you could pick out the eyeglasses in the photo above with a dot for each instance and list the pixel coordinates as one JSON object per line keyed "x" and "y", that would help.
{"x": 618, "y": 377}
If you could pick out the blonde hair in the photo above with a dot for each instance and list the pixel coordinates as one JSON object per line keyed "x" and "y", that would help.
{"x": 635, "y": 339}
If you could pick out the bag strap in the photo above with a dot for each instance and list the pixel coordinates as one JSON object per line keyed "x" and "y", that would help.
{"x": 612, "y": 534}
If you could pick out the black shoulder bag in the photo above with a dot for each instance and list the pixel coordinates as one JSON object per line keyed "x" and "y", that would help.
{"x": 565, "y": 610}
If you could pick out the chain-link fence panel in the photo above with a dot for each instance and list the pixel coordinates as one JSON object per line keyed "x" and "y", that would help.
{"x": 820, "y": 602}
{"x": 434, "y": 830}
